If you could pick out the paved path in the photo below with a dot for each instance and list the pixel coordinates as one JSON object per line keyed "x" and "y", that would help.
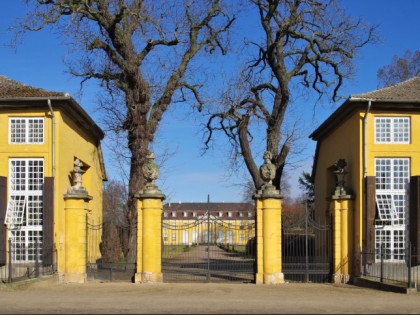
{"x": 208, "y": 263}
{"x": 214, "y": 298}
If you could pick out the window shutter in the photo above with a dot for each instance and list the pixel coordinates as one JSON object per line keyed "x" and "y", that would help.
{"x": 48, "y": 221}
{"x": 370, "y": 215}
{"x": 3, "y": 208}
{"x": 414, "y": 217}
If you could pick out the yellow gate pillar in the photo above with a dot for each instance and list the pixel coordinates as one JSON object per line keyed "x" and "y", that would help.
{"x": 138, "y": 277}
{"x": 76, "y": 207}
{"x": 341, "y": 206}
{"x": 259, "y": 242}
{"x": 268, "y": 227}
{"x": 149, "y": 227}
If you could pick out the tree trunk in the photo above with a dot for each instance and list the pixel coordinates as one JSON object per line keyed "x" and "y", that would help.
{"x": 138, "y": 143}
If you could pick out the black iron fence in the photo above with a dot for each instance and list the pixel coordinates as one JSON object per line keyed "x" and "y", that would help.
{"x": 107, "y": 251}
{"x": 405, "y": 272}
{"x": 306, "y": 251}
{"x": 208, "y": 249}
{"x": 26, "y": 262}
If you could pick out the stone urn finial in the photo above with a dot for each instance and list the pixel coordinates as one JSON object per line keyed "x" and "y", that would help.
{"x": 268, "y": 173}
{"x": 77, "y": 172}
{"x": 150, "y": 174}
{"x": 339, "y": 173}
{"x": 150, "y": 169}
{"x": 267, "y": 170}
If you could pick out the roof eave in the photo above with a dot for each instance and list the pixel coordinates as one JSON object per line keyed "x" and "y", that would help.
{"x": 81, "y": 112}
{"x": 346, "y": 109}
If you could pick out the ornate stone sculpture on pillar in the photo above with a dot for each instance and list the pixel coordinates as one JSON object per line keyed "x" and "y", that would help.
{"x": 77, "y": 172}
{"x": 341, "y": 205}
{"x": 268, "y": 173}
{"x": 149, "y": 223}
{"x": 268, "y": 231}
{"x": 150, "y": 174}
{"x": 339, "y": 173}
{"x": 76, "y": 206}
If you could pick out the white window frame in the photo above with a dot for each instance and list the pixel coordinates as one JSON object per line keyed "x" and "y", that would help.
{"x": 27, "y": 136}
{"x": 25, "y": 223}
{"x": 398, "y": 130}
{"x": 392, "y": 176}
{"x": 386, "y": 207}
{"x": 24, "y": 246}
{"x": 393, "y": 240}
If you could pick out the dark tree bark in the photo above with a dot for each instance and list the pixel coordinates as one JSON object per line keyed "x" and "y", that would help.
{"x": 306, "y": 43}
{"x": 116, "y": 41}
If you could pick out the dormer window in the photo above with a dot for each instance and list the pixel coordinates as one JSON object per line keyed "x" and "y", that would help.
{"x": 26, "y": 130}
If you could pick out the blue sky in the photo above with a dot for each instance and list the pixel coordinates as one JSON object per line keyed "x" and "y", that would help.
{"x": 187, "y": 175}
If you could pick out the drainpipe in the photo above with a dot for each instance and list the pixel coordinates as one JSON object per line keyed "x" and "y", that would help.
{"x": 365, "y": 139}
{"x": 363, "y": 260}
{"x": 364, "y": 163}
{"x": 52, "y": 139}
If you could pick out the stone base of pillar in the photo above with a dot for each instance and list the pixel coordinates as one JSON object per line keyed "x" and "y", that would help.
{"x": 149, "y": 277}
{"x": 273, "y": 278}
{"x": 138, "y": 277}
{"x": 259, "y": 278}
{"x": 340, "y": 278}
{"x": 74, "y": 278}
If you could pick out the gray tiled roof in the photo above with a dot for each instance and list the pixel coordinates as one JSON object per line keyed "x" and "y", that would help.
{"x": 408, "y": 90}
{"x": 13, "y": 89}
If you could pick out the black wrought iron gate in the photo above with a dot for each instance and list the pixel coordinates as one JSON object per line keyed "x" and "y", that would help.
{"x": 208, "y": 249}
{"x": 106, "y": 251}
{"x": 306, "y": 251}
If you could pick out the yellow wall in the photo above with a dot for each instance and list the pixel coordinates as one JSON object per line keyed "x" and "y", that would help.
{"x": 70, "y": 142}
{"x": 411, "y": 150}
{"x": 216, "y": 226}
{"x": 346, "y": 141}
{"x": 23, "y": 150}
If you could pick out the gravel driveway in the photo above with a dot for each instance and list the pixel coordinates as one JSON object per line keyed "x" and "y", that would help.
{"x": 47, "y": 296}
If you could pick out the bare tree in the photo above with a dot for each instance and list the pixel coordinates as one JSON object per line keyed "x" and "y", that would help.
{"x": 115, "y": 202}
{"x": 114, "y": 225}
{"x": 140, "y": 51}
{"x": 306, "y": 44}
{"x": 400, "y": 69}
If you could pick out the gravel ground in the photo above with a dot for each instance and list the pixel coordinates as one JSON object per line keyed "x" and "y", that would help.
{"x": 47, "y": 296}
